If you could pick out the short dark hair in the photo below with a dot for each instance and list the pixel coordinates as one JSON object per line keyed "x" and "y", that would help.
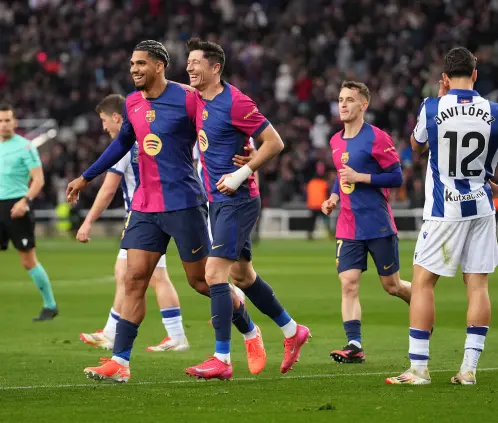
{"x": 7, "y": 107}
{"x": 360, "y": 86}
{"x": 113, "y": 103}
{"x": 459, "y": 62}
{"x": 155, "y": 49}
{"x": 212, "y": 51}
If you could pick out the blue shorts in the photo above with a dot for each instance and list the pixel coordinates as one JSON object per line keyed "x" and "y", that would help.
{"x": 231, "y": 225}
{"x": 353, "y": 254}
{"x": 152, "y": 232}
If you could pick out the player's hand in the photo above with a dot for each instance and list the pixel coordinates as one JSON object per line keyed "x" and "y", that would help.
{"x": 83, "y": 234}
{"x": 348, "y": 175}
{"x": 221, "y": 187}
{"x": 328, "y": 206}
{"x": 240, "y": 161}
{"x": 19, "y": 209}
{"x": 443, "y": 89}
{"x": 74, "y": 188}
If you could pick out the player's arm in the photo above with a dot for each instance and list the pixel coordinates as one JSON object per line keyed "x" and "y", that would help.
{"x": 331, "y": 203}
{"x": 247, "y": 118}
{"x": 419, "y": 137}
{"x": 102, "y": 200}
{"x": 494, "y": 188}
{"x": 384, "y": 152}
{"x": 111, "y": 155}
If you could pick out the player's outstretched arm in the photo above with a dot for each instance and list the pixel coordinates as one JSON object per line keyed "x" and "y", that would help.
{"x": 104, "y": 197}
{"x": 111, "y": 155}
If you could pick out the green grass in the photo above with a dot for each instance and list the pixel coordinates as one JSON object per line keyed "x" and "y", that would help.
{"x": 47, "y": 359}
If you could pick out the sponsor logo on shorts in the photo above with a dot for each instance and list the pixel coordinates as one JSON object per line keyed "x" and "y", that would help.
{"x": 388, "y": 267}
{"x": 217, "y": 246}
{"x": 197, "y": 250}
{"x": 425, "y": 234}
{"x": 455, "y": 197}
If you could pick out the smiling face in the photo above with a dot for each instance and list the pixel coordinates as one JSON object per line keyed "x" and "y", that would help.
{"x": 145, "y": 69}
{"x": 201, "y": 72}
{"x": 352, "y": 104}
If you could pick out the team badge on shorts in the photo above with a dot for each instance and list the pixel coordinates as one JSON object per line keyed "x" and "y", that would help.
{"x": 150, "y": 116}
{"x": 345, "y": 157}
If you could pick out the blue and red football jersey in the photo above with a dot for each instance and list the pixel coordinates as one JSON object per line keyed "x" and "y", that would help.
{"x": 165, "y": 132}
{"x": 364, "y": 212}
{"x": 224, "y": 126}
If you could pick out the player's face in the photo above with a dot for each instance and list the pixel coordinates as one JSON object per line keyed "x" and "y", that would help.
{"x": 144, "y": 69}
{"x": 8, "y": 124}
{"x": 201, "y": 73}
{"x": 111, "y": 123}
{"x": 351, "y": 104}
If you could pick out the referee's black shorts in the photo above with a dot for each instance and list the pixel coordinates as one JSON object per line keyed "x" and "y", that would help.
{"x": 20, "y": 231}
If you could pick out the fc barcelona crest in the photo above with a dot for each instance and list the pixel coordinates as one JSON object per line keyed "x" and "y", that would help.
{"x": 150, "y": 116}
{"x": 345, "y": 157}
{"x": 205, "y": 114}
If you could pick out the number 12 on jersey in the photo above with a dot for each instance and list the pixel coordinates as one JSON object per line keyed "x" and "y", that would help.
{"x": 477, "y": 140}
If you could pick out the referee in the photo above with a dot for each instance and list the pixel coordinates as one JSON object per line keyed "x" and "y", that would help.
{"x": 20, "y": 162}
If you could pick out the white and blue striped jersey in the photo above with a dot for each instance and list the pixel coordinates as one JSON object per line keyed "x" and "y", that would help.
{"x": 127, "y": 167}
{"x": 462, "y": 130}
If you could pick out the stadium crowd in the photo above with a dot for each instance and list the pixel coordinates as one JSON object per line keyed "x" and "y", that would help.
{"x": 59, "y": 59}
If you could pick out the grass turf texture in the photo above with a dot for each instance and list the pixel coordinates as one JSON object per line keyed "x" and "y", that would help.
{"x": 42, "y": 380}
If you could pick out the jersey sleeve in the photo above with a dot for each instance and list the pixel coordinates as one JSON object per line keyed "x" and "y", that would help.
{"x": 246, "y": 117}
{"x": 420, "y": 131}
{"x": 120, "y": 167}
{"x": 191, "y": 104}
{"x": 30, "y": 157}
{"x": 384, "y": 152}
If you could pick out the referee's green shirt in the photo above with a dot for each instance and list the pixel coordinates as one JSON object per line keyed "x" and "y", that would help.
{"x": 17, "y": 157}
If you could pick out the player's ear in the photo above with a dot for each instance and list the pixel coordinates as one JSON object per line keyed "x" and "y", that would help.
{"x": 116, "y": 117}
{"x": 446, "y": 80}
{"x": 474, "y": 75}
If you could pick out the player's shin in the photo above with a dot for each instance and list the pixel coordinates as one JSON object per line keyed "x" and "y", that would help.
{"x": 263, "y": 297}
{"x": 221, "y": 316}
{"x": 478, "y": 318}
{"x": 126, "y": 332}
{"x": 40, "y": 278}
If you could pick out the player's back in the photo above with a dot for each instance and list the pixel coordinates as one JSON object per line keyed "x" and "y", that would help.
{"x": 165, "y": 132}
{"x": 462, "y": 130}
{"x": 224, "y": 126}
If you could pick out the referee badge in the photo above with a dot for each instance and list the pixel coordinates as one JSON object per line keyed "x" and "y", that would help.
{"x": 150, "y": 116}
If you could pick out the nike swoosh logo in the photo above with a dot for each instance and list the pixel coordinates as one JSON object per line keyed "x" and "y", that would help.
{"x": 203, "y": 370}
{"x": 217, "y": 246}
{"x": 333, "y": 151}
{"x": 195, "y": 251}
{"x": 388, "y": 267}
{"x": 136, "y": 110}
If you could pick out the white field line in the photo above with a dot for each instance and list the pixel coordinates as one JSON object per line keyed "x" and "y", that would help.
{"x": 239, "y": 379}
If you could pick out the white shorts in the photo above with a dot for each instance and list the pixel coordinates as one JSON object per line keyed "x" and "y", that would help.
{"x": 442, "y": 246}
{"x": 123, "y": 255}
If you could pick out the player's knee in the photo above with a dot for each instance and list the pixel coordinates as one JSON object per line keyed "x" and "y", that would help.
{"x": 391, "y": 287}
{"x": 217, "y": 270}
{"x": 135, "y": 284}
{"x": 28, "y": 260}
{"x": 242, "y": 280}
{"x": 350, "y": 287}
{"x": 198, "y": 282}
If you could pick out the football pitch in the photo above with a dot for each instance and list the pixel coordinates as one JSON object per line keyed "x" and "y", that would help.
{"x": 41, "y": 373}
